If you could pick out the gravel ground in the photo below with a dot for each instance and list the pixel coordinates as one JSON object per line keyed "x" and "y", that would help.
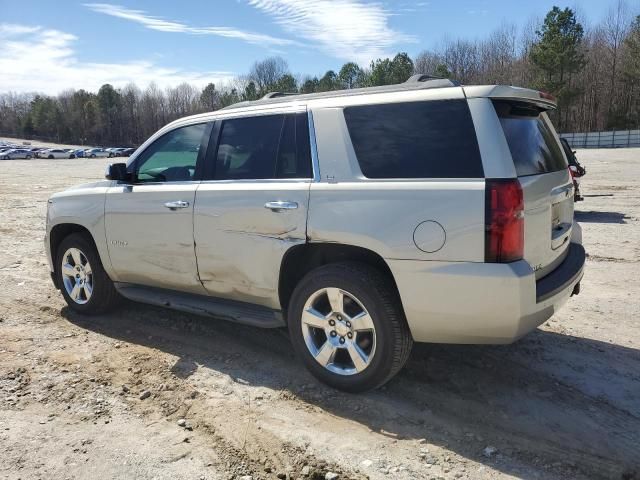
{"x": 149, "y": 393}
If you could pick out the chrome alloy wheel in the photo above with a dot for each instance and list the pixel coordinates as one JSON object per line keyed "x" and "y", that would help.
{"x": 338, "y": 331}
{"x": 77, "y": 276}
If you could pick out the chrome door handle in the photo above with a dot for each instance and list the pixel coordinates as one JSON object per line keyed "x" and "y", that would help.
{"x": 176, "y": 204}
{"x": 280, "y": 206}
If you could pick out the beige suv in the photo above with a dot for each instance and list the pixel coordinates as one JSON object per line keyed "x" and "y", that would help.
{"x": 363, "y": 220}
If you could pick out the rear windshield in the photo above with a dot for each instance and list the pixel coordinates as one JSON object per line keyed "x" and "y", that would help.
{"x": 434, "y": 139}
{"x": 532, "y": 142}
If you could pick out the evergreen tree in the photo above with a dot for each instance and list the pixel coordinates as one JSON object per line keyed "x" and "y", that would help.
{"x": 350, "y": 75}
{"x": 390, "y": 71}
{"x": 209, "y": 97}
{"x": 558, "y": 54}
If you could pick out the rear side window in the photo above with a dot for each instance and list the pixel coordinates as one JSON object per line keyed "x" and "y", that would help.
{"x": 531, "y": 140}
{"x": 434, "y": 139}
{"x": 262, "y": 147}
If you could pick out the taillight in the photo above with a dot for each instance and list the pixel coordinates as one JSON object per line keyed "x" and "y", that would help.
{"x": 504, "y": 221}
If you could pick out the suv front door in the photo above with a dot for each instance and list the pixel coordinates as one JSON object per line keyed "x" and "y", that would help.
{"x": 252, "y": 206}
{"x": 149, "y": 221}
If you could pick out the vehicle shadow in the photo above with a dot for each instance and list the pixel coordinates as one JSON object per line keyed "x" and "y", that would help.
{"x": 567, "y": 403}
{"x": 600, "y": 217}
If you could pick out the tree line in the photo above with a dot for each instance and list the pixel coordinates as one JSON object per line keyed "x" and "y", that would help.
{"x": 594, "y": 72}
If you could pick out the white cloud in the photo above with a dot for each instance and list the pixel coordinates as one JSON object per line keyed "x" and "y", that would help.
{"x": 36, "y": 59}
{"x": 347, "y": 29}
{"x": 157, "y": 23}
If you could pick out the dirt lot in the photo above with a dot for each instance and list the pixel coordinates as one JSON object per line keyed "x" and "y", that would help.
{"x": 564, "y": 402}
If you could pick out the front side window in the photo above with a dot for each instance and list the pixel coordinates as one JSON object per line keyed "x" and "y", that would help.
{"x": 433, "y": 139}
{"x": 172, "y": 157}
{"x": 262, "y": 147}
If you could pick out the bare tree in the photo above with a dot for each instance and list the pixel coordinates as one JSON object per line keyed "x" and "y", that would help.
{"x": 615, "y": 28}
{"x": 267, "y": 72}
{"x": 427, "y": 62}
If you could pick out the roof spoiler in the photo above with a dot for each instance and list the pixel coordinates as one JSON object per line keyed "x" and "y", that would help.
{"x": 543, "y": 100}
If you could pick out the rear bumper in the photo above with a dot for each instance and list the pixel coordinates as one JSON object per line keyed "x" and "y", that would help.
{"x": 568, "y": 273}
{"x": 483, "y": 303}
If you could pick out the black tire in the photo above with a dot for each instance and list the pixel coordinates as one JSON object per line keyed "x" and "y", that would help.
{"x": 93, "y": 155}
{"x": 104, "y": 296}
{"x": 50, "y": 157}
{"x": 377, "y": 294}
{"x": 28, "y": 157}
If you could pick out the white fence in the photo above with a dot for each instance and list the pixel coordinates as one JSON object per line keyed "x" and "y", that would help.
{"x": 612, "y": 139}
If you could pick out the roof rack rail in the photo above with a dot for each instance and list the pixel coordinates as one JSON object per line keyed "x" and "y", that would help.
{"x": 416, "y": 82}
{"x": 423, "y": 77}
{"x": 277, "y": 94}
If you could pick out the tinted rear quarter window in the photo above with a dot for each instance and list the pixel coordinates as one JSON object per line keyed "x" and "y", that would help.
{"x": 531, "y": 140}
{"x": 434, "y": 139}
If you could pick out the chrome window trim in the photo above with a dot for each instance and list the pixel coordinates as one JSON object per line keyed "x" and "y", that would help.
{"x": 314, "y": 148}
{"x": 256, "y": 180}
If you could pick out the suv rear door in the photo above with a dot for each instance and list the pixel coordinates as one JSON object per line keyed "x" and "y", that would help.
{"x": 252, "y": 206}
{"x": 542, "y": 169}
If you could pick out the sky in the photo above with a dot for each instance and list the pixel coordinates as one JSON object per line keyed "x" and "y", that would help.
{"x": 52, "y": 45}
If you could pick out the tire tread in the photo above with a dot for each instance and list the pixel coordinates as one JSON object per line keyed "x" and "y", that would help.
{"x": 105, "y": 297}
{"x": 392, "y": 312}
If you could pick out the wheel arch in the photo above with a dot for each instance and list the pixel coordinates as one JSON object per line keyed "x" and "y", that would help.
{"x": 301, "y": 259}
{"x": 58, "y": 233}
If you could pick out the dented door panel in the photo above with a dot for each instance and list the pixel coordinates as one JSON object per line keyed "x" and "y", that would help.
{"x": 240, "y": 243}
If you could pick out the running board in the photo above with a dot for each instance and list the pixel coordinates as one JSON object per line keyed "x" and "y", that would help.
{"x": 233, "y": 311}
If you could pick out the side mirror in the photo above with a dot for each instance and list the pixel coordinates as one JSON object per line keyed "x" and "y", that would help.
{"x": 117, "y": 171}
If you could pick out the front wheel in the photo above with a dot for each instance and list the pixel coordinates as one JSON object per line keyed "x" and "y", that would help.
{"x": 85, "y": 285}
{"x": 50, "y": 157}
{"x": 347, "y": 324}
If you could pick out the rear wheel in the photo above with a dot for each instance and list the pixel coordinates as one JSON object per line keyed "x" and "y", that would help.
{"x": 347, "y": 325}
{"x": 85, "y": 285}
{"x": 50, "y": 157}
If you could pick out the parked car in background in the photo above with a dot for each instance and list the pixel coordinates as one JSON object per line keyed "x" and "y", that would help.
{"x": 127, "y": 151}
{"x": 38, "y": 150}
{"x": 119, "y": 151}
{"x": 55, "y": 153}
{"x": 96, "y": 152}
{"x": 112, "y": 151}
{"x": 16, "y": 153}
{"x": 79, "y": 153}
